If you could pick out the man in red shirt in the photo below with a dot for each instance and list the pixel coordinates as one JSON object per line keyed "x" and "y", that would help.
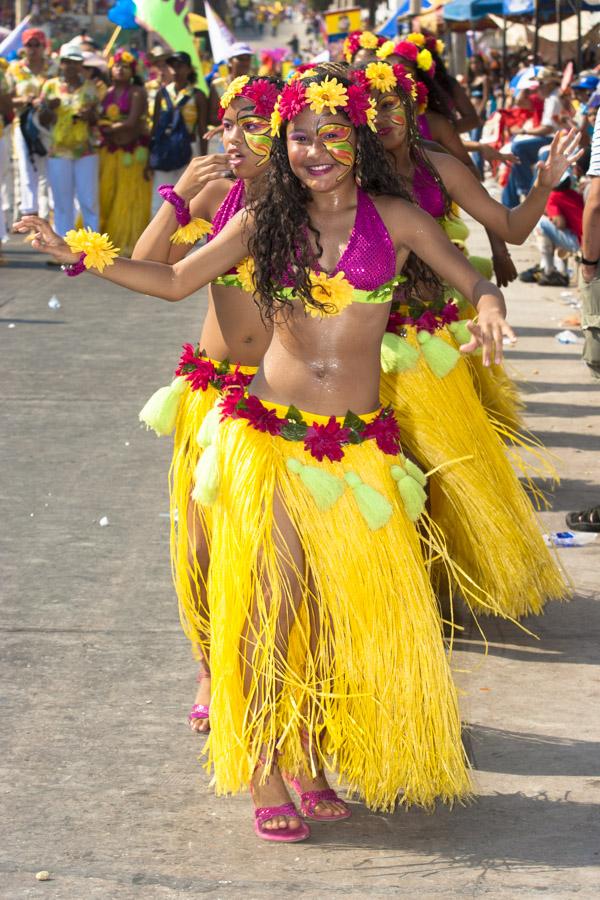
{"x": 559, "y": 230}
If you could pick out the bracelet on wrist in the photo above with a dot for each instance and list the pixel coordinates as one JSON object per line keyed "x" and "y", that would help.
{"x": 589, "y": 262}
{"x": 189, "y": 230}
{"x": 96, "y": 251}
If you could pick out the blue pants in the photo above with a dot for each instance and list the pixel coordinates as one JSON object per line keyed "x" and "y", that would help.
{"x": 475, "y": 135}
{"x": 526, "y": 147}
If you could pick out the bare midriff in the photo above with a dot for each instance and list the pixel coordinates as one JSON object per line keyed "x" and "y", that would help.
{"x": 325, "y": 366}
{"x": 233, "y": 328}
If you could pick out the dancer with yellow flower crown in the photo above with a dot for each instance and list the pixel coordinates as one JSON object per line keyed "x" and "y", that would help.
{"x": 318, "y": 586}
{"x": 125, "y": 192}
{"x": 232, "y": 343}
{"x": 430, "y": 385}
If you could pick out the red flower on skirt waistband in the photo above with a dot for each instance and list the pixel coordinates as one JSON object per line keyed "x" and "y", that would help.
{"x": 326, "y": 440}
{"x": 385, "y": 431}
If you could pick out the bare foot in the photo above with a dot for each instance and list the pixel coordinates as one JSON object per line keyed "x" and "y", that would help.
{"x": 272, "y": 793}
{"x": 202, "y": 726}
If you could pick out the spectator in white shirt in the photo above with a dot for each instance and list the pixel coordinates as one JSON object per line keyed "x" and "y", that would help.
{"x": 589, "y": 283}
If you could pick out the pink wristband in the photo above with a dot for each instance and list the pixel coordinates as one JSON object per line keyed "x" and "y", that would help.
{"x": 75, "y": 268}
{"x": 182, "y": 213}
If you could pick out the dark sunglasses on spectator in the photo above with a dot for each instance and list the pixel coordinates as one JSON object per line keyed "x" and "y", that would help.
{"x": 33, "y": 44}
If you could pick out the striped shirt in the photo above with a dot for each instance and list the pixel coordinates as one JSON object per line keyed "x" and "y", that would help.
{"x": 594, "y": 168}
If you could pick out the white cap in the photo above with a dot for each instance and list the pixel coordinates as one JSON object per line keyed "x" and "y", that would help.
{"x": 238, "y": 49}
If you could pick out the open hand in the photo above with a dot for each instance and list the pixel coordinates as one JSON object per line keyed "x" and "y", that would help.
{"x": 200, "y": 171}
{"x": 564, "y": 151}
{"x": 491, "y": 154}
{"x": 488, "y": 333}
{"x": 45, "y": 239}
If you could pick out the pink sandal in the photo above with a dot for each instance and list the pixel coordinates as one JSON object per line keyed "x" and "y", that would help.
{"x": 285, "y": 835}
{"x": 199, "y": 711}
{"x": 311, "y": 799}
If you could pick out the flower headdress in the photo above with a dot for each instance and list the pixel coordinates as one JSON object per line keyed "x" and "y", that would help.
{"x": 381, "y": 76}
{"x": 427, "y": 41}
{"x": 327, "y": 94}
{"x": 261, "y": 91}
{"x": 409, "y": 51}
{"x": 124, "y": 58}
{"x": 360, "y": 40}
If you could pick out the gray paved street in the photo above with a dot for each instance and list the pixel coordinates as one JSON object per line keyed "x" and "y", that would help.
{"x": 101, "y": 781}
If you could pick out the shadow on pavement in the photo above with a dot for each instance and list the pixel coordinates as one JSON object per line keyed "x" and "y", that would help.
{"x": 520, "y": 753}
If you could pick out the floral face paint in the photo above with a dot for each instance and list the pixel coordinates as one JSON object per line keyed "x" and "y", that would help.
{"x": 335, "y": 140}
{"x": 257, "y": 135}
{"x": 393, "y": 108}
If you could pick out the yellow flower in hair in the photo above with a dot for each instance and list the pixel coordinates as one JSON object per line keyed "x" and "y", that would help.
{"x": 424, "y": 60}
{"x": 417, "y": 38}
{"x": 328, "y": 94}
{"x": 386, "y": 50}
{"x": 371, "y": 114}
{"x": 276, "y": 121}
{"x": 368, "y": 40}
{"x": 236, "y": 87}
{"x": 335, "y": 292}
{"x": 127, "y": 58}
{"x": 381, "y": 77}
{"x": 308, "y": 73}
{"x": 439, "y": 47}
{"x": 98, "y": 248}
{"x": 245, "y": 272}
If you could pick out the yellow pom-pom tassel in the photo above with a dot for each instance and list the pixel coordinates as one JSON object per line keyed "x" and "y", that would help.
{"x": 192, "y": 232}
{"x": 160, "y": 411}
{"x": 98, "y": 248}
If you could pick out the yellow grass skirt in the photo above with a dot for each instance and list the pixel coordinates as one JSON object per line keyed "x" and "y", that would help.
{"x": 125, "y": 197}
{"x": 372, "y": 683}
{"x": 485, "y": 515}
{"x": 187, "y": 575}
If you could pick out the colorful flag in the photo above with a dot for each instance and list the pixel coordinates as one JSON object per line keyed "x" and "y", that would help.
{"x": 168, "y": 18}
{"x": 14, "y": 40}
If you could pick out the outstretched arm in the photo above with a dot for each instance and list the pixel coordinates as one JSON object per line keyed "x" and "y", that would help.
{"x": 170, "y": 283}
{"x": 428, "y": 241}
{"x": 512, "y": 225}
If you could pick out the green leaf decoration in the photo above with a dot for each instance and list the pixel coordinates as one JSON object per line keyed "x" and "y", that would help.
{"x": 294, "y": 415}
{"x": 355, "y": 437}
{"x": 353, "y": 422}
{"x": 223, "y": 367}
{"x": 294, "y": 431}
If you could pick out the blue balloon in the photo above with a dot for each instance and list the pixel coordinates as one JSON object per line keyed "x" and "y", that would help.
{"x": 123, "y": 14}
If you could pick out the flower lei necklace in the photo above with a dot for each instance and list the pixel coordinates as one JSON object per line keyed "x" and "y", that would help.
{"x": 328, "y": 94}
{"x": 320, "y": 440}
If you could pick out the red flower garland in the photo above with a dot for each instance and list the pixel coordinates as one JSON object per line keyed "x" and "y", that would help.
{"x": 201, "y": 372}
{"x": 431, "y": 320}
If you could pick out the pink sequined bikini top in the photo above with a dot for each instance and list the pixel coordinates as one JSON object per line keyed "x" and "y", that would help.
{"x": 233, "y": 202}
{"x": 427, "y": 192}
{"x": 369, "y": 260}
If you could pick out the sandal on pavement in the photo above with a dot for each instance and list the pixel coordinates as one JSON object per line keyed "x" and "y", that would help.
{"x": 588, "y": 520}
{"x": 284, "y": 835}
{"x": 309, "y": 800}
{"x": 198, "y": 711}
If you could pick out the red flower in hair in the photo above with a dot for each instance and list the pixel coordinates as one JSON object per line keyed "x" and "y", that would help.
{"x": 351, "y": 45}
{"x": 259, "y": 416}
{"x": 384, "y": 429}
{"x": 422, "y": 93}
{"x": 404, "y": 78}
{"x": 406, "y": 49}
{"x": 228, "y": 404}
{"x": 326, "y": 440}
{"x": 358, "y": 104}
{"x": 264, "y": 96}
{"x": 359, "y": 76}
{"x": 292, "y": 100}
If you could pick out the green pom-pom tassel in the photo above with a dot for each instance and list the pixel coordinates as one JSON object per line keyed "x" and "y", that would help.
{"x": 483, "y": 264}
{"x": 209, "y": 428}
{"x": 140, "y": 154}
{"x": 460, "y": 331}
{"x": 206, "y": 477}
{"x": 455, "y": 228}
{"x": 324, "y": 488}
{"x": 413, "y": 496}
{"x": 160, "y": 411}
{"x": 440, "y": 356}
{"x": 414, "y": 471}
{"x": 376, "y": 510}
{"x": 397, "y": 355}
{"x": 127, "y": 159}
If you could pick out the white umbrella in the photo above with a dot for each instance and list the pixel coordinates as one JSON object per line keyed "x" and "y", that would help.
{"x": 525, "y": 79}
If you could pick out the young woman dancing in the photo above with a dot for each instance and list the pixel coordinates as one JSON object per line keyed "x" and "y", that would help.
{"x": 431, "y": 387}
{"x": 326, "y": 640}
{"x": 232, "y": 342}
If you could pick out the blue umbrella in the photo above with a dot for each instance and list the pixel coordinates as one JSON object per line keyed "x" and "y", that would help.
{"x": 524, "y": 78}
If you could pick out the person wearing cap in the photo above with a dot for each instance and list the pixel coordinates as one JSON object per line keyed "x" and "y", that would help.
{"x": 530, "y": 141}
{"x": 193, "y": 104}
{"x": 25, "y": 78}
{"x": 239, "y": 62}
{"x": 162, "y": 74}
{"x": 69, "y": 109}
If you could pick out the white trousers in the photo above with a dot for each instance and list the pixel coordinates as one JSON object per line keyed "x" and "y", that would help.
{"x": 33, "y": 181}
{"x": 71, "y": 178}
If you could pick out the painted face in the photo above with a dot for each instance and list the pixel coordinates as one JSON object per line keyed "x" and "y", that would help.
{"x": 246, "y": 138}
{"x": 335, "y": 139}
{"x": 391, "y": 120}
{"x": 321, "y": 149}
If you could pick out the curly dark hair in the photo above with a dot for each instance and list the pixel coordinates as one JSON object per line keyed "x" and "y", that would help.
{"x": 281, "y": 247}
